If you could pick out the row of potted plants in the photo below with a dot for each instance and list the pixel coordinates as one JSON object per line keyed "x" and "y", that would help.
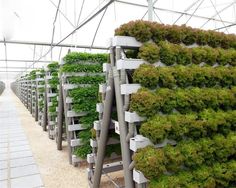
{"x": 172, "y": 54}
{"x": 144, "y": 31}
{"x": 184, "y": 76}
{"x": 90, "y": 79}
{"x": 189, "y": 126}
{"x": 75, "y": 57}
{"x": 81, "y": 67}
{"x": 187, "y": 155}
{"x": 217, "y": 175}
{"x": 148, "y": 103}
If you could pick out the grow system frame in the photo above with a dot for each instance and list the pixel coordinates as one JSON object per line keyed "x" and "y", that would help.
{"x": 127, "y": 120}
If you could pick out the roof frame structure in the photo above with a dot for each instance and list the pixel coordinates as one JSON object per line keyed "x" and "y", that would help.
{"x": 173, "y": 11}
{"x": 150, "y": 6}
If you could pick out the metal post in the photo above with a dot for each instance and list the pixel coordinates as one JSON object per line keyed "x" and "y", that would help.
{"x": 36, "y": 100}
{"x": 123, "y": 133}
{"x": 150, "y": 10}
{"x": 67, "y": 122}
{"x": 45, "y": 111}
{"x": 104, "y": 131}
{"x": 60, "y": 116}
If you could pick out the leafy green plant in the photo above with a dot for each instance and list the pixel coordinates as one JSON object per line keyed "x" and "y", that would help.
{"x": 143, "y": 31}
{"x": 218, "y": 175}
{"x": 148, "y": 103}
{"x": 139, "y": 29}
{"x": 32, "y": 75}
{"x": 146, "y": 75}
{"x": 75, "y": 57}
{"x": 184, "y": 56}
{"x": 149, "y": 52}
{"x": 150, "y": 158}
{"x": 190, "y": 126}
{"x": 188, "y": 35}
{"x": 82, "y": 151}
{"x": 171, "y": 54}
{"x": 96, "y": 79}
{"x": 193, "y": 154}
{"x": 211, "y": 56}
{"x": 85, "y": 95}
{"x": 198, "y": 55}
{"x": 168, "y": 53}
{"x": 184, "y": 76}
{"x": 79, "y": 67}
{"x": 158, "y": 32}
{"x": 53, "y": 67}
{"x": 110, "y": 149}
{"x": 174, "y": 34}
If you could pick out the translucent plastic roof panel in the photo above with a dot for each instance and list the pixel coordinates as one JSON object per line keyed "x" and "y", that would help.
{"x": 32, "y": 22}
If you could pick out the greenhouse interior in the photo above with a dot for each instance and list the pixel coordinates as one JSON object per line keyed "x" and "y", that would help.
{"x": 117, "y": 94}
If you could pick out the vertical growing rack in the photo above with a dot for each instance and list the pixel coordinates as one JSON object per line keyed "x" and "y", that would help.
{"x": 25, "y": 91}
{"x": 32, "y": 93}
{"x": 51, "y": 82}
{"x": 136, "y": 152}
{"x": 111, "y": 147}
{"x": 71, "y": 119}
{"x": 117, "y": 77}
{"x": 29, "y": 83}
{"x": 40, "y": 90}
{"x": 34, "y": 98}
{"x": 79, "y": 110}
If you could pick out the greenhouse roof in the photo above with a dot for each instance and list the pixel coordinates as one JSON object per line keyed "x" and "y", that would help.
{"x": 29, "y": 28}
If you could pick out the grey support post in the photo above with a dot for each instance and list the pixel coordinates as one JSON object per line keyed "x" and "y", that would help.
{"x": 122, "y": 125}
{"x": 104, "y": 131}
{"x": 45, "y": 116}
{"x": 60, "y": 116}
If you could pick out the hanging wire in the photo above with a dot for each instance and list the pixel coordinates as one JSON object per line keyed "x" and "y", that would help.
{"x": 219, "y": 15}
{"x": 5, "y": 45}
{"x": 80, "y": 13}
{"x": 34, "y": 54}
{"x": 60, "y": 31}
{"x": 147, "y": 10}
{"x": 75, "y": 12}
{"x": 67, "y": 19}
{"x": 228, "y": 26}
{"x": 88, "y": 19}
{"x": 194, "y": 12}
{"x": 187, "y": 9}
{"x": 157, "y": 17}
{"x": 115, "y": 10}
{"x": 54, "y": 27}
{"x": 223, "y": 9}
{"x": 94, "y": 37}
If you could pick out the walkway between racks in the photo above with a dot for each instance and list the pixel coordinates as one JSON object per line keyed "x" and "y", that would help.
{"x": 17, "y": 165}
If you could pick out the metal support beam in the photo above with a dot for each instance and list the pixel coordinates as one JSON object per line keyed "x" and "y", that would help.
{"x": 62, "y": 14}
{"x": 231, "y": 25}
{"x": 9, "y": 71}
{"x": 23, "y": 61}
{"x": 54, "y": 45}
{"x": 213, "y": 17}
{"x": 14, "y": 68}
{"x": 187, "y": 9}
{"x": 173, "y": 11}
